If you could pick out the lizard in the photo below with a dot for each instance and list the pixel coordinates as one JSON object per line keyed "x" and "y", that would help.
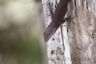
{"x": 57, "y": 19}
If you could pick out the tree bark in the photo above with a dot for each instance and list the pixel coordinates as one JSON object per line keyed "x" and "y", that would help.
{"x": 74, "y": 41}
{"x": 82, "y": 28}
{"x": 56, "y": 49}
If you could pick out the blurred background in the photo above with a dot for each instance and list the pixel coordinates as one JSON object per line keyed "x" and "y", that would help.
{"x": 21, "y": 32}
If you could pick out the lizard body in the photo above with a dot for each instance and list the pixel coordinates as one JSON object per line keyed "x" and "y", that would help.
{"x": 57, "y": 19}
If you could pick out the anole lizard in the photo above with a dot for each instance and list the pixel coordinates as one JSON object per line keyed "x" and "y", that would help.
{"x": 57, "y": 19}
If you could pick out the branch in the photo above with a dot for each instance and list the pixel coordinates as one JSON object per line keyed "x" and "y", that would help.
{"x": 57, "y": 19}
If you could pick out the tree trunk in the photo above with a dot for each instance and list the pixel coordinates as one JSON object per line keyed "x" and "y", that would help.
{"x": 74, "y": 41}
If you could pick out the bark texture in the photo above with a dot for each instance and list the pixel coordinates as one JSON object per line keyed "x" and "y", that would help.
{"x": 75, "y": 41}
{"x": 82, "y": 31}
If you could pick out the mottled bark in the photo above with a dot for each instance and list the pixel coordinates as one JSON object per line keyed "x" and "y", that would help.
{"x": 75, "y": 40}
{"x": 56, "y": 54}
{"x": 82, "y": 29}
